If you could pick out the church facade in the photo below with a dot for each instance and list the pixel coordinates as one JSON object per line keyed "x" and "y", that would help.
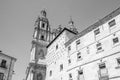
{"x": 65, "y": 54}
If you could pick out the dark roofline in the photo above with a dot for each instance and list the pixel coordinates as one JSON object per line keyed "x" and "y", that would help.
{"x": 8, "y": 56}
{"x": 59, "y": 35}
{"x": 95, "y": 25}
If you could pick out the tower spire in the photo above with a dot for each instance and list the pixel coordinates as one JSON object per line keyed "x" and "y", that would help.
{"x": 71, "y": 25}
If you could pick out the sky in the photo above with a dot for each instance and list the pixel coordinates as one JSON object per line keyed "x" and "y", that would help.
{"x": 17, "y": 19}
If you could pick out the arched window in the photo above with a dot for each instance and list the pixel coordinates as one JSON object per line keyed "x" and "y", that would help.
{"x": 39, "y": 76}
{"x": 42, "y": 37}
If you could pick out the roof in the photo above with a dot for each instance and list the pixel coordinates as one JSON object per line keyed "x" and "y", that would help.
{"x": 8, "y": 56}
{"x": 95, "y": 25}
{"x": 59, "y": 35}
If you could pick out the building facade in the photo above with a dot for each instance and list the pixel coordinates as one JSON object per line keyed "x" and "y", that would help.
{"x": 93, "y": 54}
{"x": 6, "y": 66}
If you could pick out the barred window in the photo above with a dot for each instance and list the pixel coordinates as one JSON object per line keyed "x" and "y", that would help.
{"x": 102, "y": 65}
{"x": 99, "y": 46}
{"x": 112, "y": 23}
{"x": 77, "y": 42}
{"x": 97, "y": 31}
{"x": 115, "y": 40}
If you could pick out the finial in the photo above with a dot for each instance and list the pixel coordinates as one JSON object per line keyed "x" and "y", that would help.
{"x": 71, "y": 21}
{"x": 43, "y": 13}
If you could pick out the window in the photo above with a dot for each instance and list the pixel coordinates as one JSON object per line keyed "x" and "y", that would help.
{"x": 56, "y": 47}
{"x": 97, "y": 31}
{"x": 118, "y": 61}
{"x": 61, "y": 67}
{"x": 39, "y": 76}
{"x": 78, "y": 55}
{"x": 99, "y": 47}
{"x": 80, "y": 72}
{"x": 70, "y": 76}
{"x": 1, "y": 76}
{"x": 103, "y": 73}
{"x": 42, "y": 37}
{"x": 50, "y": 73}
{"x": 69, "y": 48}
{"x": 80, "y": 75}
{"x": 69, "y": 61}
{"x": 3, "y": 63}
{"x": 43, "y": 25}
{"x": 77, "y": 42}
{"x": 112, "y": 23}
{"x": 115, "y": 40}
{"x": 102, "y": 65}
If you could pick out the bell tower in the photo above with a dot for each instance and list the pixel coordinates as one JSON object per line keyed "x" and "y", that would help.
{"x": 41, "y": 38}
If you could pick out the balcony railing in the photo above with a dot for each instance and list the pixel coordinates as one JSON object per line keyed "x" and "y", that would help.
{"x": 104, "y": 78}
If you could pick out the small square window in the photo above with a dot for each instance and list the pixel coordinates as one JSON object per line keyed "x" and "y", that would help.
{"x": 112, "y": 23}
{"x": 77, "y": 42}
{"x": 97, "y": 31}
{"x": 115, "y": 40}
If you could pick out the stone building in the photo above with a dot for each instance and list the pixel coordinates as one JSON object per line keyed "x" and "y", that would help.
{"x": 6, "y": 66}
{"x": 93, "y": 54}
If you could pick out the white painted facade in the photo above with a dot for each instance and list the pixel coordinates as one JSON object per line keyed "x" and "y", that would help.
{"x": 6, "y": 66}
{"x": 94, "y": 54}
{"x": 91, "y": 56}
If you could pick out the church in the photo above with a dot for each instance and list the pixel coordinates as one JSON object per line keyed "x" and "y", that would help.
{"x": 66, "y": 54}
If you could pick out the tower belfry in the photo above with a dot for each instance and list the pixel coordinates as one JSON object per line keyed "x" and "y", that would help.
{"x": 41, "y": 38}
